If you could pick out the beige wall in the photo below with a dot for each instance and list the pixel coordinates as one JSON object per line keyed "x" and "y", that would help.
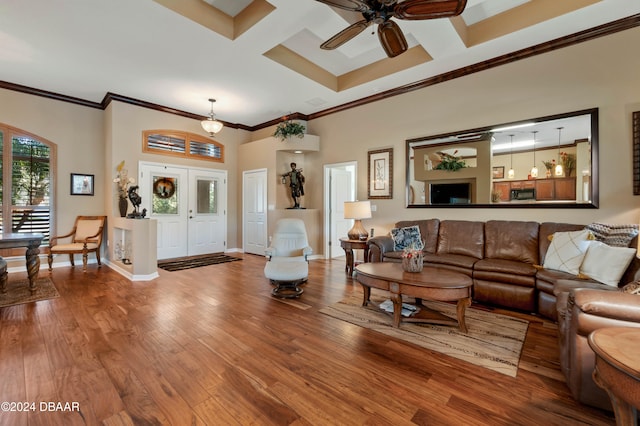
{"x": 125, "y": 124}
{"x": 601, "y": 73}
{"x": 78, "y": 133}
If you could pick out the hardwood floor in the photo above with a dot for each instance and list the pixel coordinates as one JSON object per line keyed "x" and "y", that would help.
{"x": 210, "y": 346}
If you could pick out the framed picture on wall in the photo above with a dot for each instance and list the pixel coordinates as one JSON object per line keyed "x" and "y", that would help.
{"x": 498, "y": 172}
{"x": 380, "y": 173}
{"x": 81, "y": 184}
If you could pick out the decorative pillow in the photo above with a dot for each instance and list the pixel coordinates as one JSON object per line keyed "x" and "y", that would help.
{"x": 567, "y": 250}
{"x": 632, "y": 288}
{"x": 605, "y": 263}
{"x": 613, "y": 235}
{"x": 408, "y": 237}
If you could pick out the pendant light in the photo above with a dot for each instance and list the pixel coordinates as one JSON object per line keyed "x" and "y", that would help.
{"x": 511, "y": 173}
{"x": 534, "y": 169}
{"x": 559, "y": 170}
{"x": 211, "y": 125}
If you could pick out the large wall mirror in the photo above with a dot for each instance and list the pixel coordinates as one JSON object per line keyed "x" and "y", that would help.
{"x": 545, "y": 162}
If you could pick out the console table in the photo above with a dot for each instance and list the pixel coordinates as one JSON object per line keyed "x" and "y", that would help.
{"x": 349, "y": 246}
{"x": 617, "y": 369}
{"x": 31, "y": 242}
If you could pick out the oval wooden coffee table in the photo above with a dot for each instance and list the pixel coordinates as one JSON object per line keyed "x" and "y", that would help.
{"x": 431, "y": 283}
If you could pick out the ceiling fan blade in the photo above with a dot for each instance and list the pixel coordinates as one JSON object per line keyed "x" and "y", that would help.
{"x": 392, "y": 38}
{"x": 429, "y": 9}
{"x": 354, "y": 5}
{"x": 345, "y": 35}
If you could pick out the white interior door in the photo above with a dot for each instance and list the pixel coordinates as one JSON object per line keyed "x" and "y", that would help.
{"x": 340, "y": 184}
{"x": 254, "y": 211}
{"x": 207, "y": 211}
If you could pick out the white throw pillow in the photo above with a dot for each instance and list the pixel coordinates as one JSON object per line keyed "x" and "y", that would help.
{"x": 567, "y": 250}
{"x": 606, "y": 263}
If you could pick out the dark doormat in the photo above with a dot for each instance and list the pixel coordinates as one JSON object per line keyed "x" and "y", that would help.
{"x": 195, "y": 261}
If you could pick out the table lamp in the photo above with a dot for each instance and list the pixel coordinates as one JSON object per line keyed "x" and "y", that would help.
{"x": 357, "y": 210}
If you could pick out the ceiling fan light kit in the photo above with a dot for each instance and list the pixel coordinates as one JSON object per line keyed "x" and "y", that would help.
{"x": 380, "y": 12}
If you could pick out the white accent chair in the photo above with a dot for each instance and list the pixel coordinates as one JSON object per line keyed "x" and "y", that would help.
{"x": 287, "y": 266}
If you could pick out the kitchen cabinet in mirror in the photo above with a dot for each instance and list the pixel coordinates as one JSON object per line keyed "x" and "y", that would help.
{"x": 544, "y": 162}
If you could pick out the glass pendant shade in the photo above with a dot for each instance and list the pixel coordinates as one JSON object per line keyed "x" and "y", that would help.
{"x": 211, "y": 125}
{"x": 558, "y": 170}
{"x": 534, "y": 172}
{"x": 511, "y": 174}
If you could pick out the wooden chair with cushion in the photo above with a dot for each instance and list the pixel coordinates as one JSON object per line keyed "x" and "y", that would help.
{"x": 86, "y": 237}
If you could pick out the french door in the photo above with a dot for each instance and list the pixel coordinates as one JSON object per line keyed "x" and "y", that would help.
{"x": 189, "y": 205}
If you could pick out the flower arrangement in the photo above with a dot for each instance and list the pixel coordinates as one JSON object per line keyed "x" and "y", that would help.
{"x": 568, "y": 162}
{"x": 288, "y": 128}
{"x": 412, "y": 259}
{"x": 123, "y": 180}
{"x": 450, "y": 162}
{"x": 550, "y": 165}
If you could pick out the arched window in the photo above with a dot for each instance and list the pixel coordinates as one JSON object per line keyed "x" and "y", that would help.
{"x": 27, "y": 172}
{"x": 182, "y": 144}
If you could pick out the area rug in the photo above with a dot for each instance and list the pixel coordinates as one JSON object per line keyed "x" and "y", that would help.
{"x": 18, "y": 292}
{"x": 494, "y": 341}
{"x": 195, "y": 261}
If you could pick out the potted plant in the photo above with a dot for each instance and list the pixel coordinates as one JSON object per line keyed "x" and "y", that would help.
{"x": 288, "y": 128}
{"x": 450, "y": 162}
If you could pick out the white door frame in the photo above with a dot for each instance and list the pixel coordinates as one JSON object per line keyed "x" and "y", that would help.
{"x": 146, "y": 198}
{"x": 327, "y": 201}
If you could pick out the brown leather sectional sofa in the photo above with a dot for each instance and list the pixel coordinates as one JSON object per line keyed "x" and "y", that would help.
{"x": 504, "y": 258}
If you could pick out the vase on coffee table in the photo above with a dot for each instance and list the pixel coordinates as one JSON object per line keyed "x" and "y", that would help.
{"x": 412, "y": 260}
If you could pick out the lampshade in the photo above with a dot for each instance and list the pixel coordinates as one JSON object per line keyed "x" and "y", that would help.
{"x": 211, "y": 125}
{"x": 357, "y": 210}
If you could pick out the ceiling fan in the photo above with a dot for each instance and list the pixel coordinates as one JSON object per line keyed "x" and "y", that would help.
{"x": 381, "y": 11}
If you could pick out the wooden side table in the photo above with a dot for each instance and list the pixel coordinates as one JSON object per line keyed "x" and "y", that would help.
{"x": 349, "y": 246}
{"x": 617, "y": 369}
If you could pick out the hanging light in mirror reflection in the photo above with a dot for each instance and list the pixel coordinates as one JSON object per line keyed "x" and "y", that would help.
{"x": 559, "y": 170}
{"x": 534, "y": 169}
{"x": 511, "y": 173}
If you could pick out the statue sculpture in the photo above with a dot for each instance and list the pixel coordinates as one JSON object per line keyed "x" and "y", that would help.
{"x": 136, "y": 200}
{"x": 296, "y": 182}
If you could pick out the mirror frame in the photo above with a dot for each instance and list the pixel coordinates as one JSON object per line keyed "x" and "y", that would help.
{"x": 595, "y": 181}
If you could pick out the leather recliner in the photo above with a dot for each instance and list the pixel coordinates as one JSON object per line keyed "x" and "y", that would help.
{"x": 581, "y": 311}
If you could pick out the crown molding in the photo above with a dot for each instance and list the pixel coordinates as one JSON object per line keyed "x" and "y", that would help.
{"x": 559, "y": 43}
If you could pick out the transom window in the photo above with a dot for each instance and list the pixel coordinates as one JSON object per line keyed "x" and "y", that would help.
{"x": 182, "y": 144}
{"x": 26, "y": 182}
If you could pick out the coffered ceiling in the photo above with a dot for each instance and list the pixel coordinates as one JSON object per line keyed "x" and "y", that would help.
{"x": 260, "y": 58}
